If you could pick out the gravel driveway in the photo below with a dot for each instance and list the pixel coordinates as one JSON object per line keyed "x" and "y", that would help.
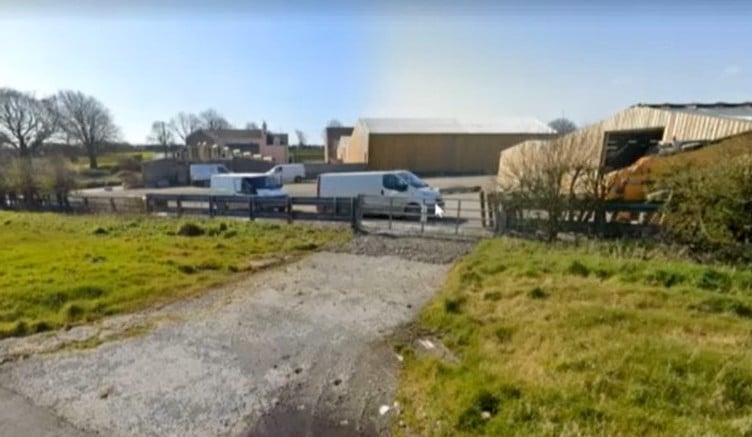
{"x": 296, "y": 350}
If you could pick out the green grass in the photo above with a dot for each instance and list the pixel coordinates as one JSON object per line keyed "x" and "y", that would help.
{"x": 59, "y": 270}
{"x": 558, "y": 340}
{"x": 306, "y": 154}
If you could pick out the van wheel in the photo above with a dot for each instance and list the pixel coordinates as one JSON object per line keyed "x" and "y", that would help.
{"x": 298, "y": 179}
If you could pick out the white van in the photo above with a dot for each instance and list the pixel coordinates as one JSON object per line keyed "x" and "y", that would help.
{"x": 201, "y": 173}
{"x": 401, "y": 189}
{"x": 246, "y": 184}
{"x": 289, "y": 172}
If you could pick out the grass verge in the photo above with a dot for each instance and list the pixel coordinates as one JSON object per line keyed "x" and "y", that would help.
{"x": 59, "y": 270}
{"x": 566, "y": 341}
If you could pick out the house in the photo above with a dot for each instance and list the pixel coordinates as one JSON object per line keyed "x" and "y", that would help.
{"x": 205, "y": 144}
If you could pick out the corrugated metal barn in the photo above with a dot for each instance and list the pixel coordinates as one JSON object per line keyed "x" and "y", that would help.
{"x": 622, "y": 139}
{"x": 437, "y": 146}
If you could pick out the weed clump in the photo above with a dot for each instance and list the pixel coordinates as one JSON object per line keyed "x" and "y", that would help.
{"x": 472, "y": 418}
{"x": 453, "y": 306}
{"x": 713, "y": 280}
{"x": 537, "y": 293}
{"x": 187, "y": 269}
{"x": 578, "y": 269}
{"x": 100, "y": 231}
{"x": 190, "y": 229}
{"x": 492, "y": 296}
{"x": 73, "y": 311}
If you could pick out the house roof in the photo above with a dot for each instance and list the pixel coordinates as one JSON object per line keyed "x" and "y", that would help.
{"x": 512, "y": 125}
{"x": 738, "y": 111}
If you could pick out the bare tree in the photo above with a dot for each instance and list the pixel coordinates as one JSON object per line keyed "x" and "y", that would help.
{"x": 184, "y": 124}
{"x": 162, "y": 135}
{"x": 562, "y": 125}
{"x": 212, "y": 120}
{"x": 87, "y": 121}
{"x": 25, "y": 121}
{"x": 558, "y": 177}
{"x": 301, "y": 137}
{"x": 252, "y": 125}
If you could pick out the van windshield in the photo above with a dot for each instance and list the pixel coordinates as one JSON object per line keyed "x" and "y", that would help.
{"x": 412, "y": 180}
{"x": 251, "y": 185}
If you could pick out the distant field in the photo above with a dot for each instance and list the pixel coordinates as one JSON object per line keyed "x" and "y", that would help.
{"x": 59, "y": 270}
{"x": 566, "y": 341}
{"x": 306, "y": 154}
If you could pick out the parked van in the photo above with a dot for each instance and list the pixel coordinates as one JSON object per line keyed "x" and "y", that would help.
{"x": 201, "y": 173}
{"x": 250, "y": 184}
{"x": 246, "y": 184}
{"x": 401, "y": 189}
{"x": 289, "y": 172}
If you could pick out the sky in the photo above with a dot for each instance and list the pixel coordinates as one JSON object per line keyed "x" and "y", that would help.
{"x": 298, "y": 65}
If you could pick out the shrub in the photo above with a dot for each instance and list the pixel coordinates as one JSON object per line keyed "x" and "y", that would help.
{"x": 710, "y": 206}
{"x": 190, "y": 229}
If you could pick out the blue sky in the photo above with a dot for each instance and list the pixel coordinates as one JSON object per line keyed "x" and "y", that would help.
{"x": 299, "y": 66}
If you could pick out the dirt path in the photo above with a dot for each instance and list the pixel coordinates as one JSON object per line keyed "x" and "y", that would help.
{"x": 293, "y": 351}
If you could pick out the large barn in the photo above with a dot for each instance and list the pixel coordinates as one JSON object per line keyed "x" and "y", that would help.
{"x": 437, "y": 146}
{"x": 623, "y": 138}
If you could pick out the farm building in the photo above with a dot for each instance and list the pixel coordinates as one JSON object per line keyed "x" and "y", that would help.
{"x": 619, "y": 141}
{"x": 333, "y": 135}
{"x": 437, "y": 146}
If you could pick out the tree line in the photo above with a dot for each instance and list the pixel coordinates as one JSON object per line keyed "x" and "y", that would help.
{"x": 28, "y": 122}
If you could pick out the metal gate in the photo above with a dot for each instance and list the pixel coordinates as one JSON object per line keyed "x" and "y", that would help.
{"x": 470, "y": 215}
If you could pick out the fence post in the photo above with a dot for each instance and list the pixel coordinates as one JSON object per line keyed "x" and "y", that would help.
{"x": 423, "y": 216}
{"x": 391, "y": 208}
{"x": 483, "y": 208}
{"x": 147, "y": 201}
{"x": 86, "y": 204}
{"x": 289, "y": 209}
{"x": 354, "y": 213}
{"x": 112, "y": 204}
{"x": 491, "y": 201}
{"x": 179, "y": 201}
{"x": 501, "y": 218}
{"x": 252, "y": 208}
{"x": 457, "y": 223}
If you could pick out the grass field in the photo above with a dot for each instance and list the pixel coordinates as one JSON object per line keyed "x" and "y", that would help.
{"x": 307, "y": 154}
{"x": 59, "y": 270}
{"x": 567, "y": 341}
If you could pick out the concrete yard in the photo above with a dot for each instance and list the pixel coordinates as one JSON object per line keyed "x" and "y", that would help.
{"x": 297, "y": 350}
{"x": 307, "y": 188}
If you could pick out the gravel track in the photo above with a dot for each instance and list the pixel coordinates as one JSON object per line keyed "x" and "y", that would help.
{"x": 296, "y": 350}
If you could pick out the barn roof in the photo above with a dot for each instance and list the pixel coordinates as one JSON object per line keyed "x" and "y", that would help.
{"x": 738, "y": 111}
{"x": 512, "y": 125}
